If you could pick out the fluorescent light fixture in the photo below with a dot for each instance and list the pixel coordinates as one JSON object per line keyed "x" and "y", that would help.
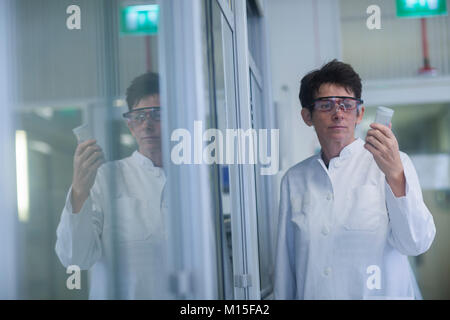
{"x": 23, "y": 198}
{"x": 119, "y": 103}
{"x": 40, "y": 146}
{"x": 45, "y": 112}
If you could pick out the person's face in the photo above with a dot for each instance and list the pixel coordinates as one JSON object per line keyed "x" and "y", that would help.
{"x": 147, "y": 133}
{"x": 336, "y": 125}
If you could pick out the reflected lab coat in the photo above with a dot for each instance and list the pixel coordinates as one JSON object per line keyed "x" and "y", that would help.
{"x": 119, "y": 233}
{"x": 343, "y": 234}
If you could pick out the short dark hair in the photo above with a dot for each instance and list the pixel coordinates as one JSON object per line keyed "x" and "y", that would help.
{"x": 334, "y": 72}
{"x": 145, "y": 85}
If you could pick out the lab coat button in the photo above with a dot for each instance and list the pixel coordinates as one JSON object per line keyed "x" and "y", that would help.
{"x": 337, "y": 164}
{"x": 329, "y": 196}
{"x": 327, "y": 271}
{"x": 325, "y": 231}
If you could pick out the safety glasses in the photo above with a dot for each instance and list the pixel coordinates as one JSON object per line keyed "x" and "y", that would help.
{"x": 137, "y": 117}
{"x": 327, "y": 104}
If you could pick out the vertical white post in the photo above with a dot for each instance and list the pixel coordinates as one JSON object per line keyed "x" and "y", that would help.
{"x": 248, "y": 222}
{"x": 193, "y": 261}
{"x": 8, "y": 212}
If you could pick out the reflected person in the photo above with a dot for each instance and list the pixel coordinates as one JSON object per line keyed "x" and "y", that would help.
{"x": 112, "y": 223}
{"x": 351, "y": 215}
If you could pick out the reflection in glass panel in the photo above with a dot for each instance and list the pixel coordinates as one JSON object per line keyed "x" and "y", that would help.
{"x": 96, "y": 206}
{"x": 49, "y": 149}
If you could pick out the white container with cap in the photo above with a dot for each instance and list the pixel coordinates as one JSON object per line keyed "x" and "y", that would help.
{"x": 83, "y": 133}
{"x": 384, "y": 116}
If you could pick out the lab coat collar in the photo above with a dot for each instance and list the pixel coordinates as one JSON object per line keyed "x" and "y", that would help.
{"x": 351, "y": 149}
{"x": 146, "y": 163}
{"x": 348, "y": 150}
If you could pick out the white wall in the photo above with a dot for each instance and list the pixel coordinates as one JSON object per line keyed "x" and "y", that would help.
{"x": 395, "y": 50}
{"x": 303, "y": 35}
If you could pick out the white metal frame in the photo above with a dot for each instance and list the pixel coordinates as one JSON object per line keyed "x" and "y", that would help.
{"x": 262, "y": 76}
{"x": 248, "y": 222}
{"x": 227, "y": 13}
{"x": 243, "y": 197}
{"x": 9, "y": 266}
{"x": 193, "y": 272}
{"x": 242, "y": 177}
{"x": 269, "y": 111}
{"x": 238, "y": 243}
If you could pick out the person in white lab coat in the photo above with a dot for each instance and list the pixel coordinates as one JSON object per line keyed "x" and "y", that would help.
{"x": 351, "y": 215}
{"x": 112, "y": 223}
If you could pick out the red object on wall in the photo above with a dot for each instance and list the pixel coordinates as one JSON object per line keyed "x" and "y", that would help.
{"x": 426, "y": 69}
{"x": 148, "y": 56}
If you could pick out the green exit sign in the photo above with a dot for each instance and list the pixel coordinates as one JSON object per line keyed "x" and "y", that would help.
{"x": 421, "y": 8}
{"x": 139, "y": 19}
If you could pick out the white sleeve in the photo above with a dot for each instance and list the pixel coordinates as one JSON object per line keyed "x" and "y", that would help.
{"x": 412, "y": 225}
{"x": 79, "y": 235}
{"x": 284, "y": 275}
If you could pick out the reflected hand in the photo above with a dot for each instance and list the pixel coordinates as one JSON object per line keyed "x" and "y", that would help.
{"x": 88, "y": 158}
{"x": 381, "y": 142}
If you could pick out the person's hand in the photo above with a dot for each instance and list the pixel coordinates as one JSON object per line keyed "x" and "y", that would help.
{"x": 381, "y": 142}
{"x": 88, "y": 158}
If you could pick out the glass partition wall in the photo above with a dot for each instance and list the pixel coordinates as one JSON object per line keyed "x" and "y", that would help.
{"x": 137, "y": 213}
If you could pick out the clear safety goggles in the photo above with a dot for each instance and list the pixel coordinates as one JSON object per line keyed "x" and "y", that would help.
{"x": 138, "y": 116}
{"x": 327, "y": 104}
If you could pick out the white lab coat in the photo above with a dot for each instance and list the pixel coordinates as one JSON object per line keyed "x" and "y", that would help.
{"x": 342, "y": 233}
{"x": 119, "y": 234}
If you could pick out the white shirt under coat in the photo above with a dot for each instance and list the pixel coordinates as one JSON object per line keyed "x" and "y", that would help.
{"x": 119, "y": 233}
{"x": 339, "y": 224}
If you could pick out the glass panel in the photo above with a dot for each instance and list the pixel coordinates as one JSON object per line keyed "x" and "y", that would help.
{"x": 227, "y": 120}
{"x": 262, "y": 182}
{"x": 222, "y": 103}
{"x": 262, "y": 195}
{"x": 49, "y": 148}
{"x": 75, "y": 67}
{"x": 254, "y": 32}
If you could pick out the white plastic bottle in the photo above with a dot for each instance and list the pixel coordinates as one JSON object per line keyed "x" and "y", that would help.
{"x": 384, "y": 116}
{"x": 83, "y": 133}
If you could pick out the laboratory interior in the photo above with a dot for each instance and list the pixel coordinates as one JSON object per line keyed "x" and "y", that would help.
{"x": 221, "y": 66}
